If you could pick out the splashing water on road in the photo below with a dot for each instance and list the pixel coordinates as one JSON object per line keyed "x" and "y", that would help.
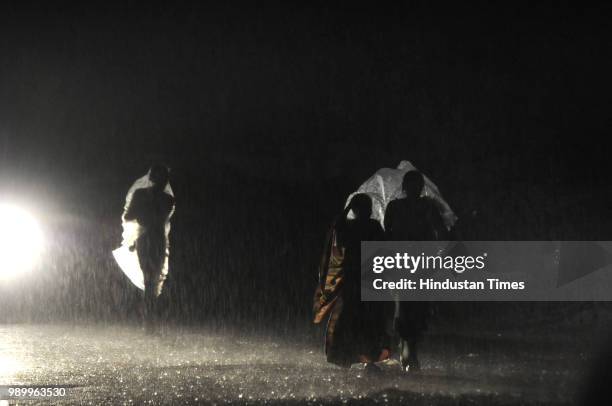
{"x": 122, "y": 365}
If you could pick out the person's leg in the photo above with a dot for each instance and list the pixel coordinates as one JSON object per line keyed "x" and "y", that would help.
{"x": 403, "y": 352}
{"x": 374, "y": 341}
{"x": 410, "y": 325}
{"x": 335, "y": 332}
{"x": 144, "y": 258}
{"x": 151, "y": 255}
{"x": 150, "y": 316}
{"x": 412, "y": 362}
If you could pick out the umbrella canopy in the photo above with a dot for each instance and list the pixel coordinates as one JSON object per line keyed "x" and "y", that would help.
{"x": 386, "y": 185}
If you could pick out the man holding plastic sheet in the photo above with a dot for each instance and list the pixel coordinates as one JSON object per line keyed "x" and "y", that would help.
{"x": 412, "y": 218}
{"x": 146, "y": 223}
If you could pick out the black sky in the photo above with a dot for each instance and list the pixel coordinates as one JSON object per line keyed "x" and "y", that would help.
{"x": 303, "y": 92}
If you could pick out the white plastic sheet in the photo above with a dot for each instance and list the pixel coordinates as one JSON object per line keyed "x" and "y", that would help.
{"x": 386, "y": 185}
{"x": 127, "y": 258}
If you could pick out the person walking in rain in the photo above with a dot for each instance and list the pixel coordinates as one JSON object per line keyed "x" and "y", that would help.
{"x": 355, "y": 331}
{"x": 412, "y": 218}
{"x": 149, "y": 206}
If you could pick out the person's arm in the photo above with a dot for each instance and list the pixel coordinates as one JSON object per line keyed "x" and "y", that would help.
{"x": 337, "y": 224}
{"x": 389, "y": 217}
{"x": 324, "y": 262}
{"x": 170, "y": 206}
{"x": 131, "y": 214}
{"x": 320, "y": 299}
{"x": 379, "y": 233}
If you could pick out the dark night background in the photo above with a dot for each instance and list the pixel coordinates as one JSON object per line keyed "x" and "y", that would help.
{"x": 269, "y": 116}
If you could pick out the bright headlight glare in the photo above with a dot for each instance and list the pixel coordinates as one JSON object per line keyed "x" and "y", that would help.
{"x": 21, "y": 241}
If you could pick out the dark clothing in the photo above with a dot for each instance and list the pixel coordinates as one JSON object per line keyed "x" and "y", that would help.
{"x": 412, "y": 320}
{"x": 151, "y": 208}
{"x": 413, "y": 220}
{"x": 354, "y": 327}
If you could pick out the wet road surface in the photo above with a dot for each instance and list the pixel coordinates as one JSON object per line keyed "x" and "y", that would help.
{"x": 122, "y": 365}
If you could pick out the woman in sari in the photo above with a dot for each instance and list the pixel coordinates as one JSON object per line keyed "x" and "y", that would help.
{"x": 355, "y": 330}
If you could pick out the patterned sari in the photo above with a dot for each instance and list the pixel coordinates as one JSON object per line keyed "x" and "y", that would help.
{"x": 354, "y": 328}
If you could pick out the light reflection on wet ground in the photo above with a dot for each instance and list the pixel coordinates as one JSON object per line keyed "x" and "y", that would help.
{"x": 122, "y": 365}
